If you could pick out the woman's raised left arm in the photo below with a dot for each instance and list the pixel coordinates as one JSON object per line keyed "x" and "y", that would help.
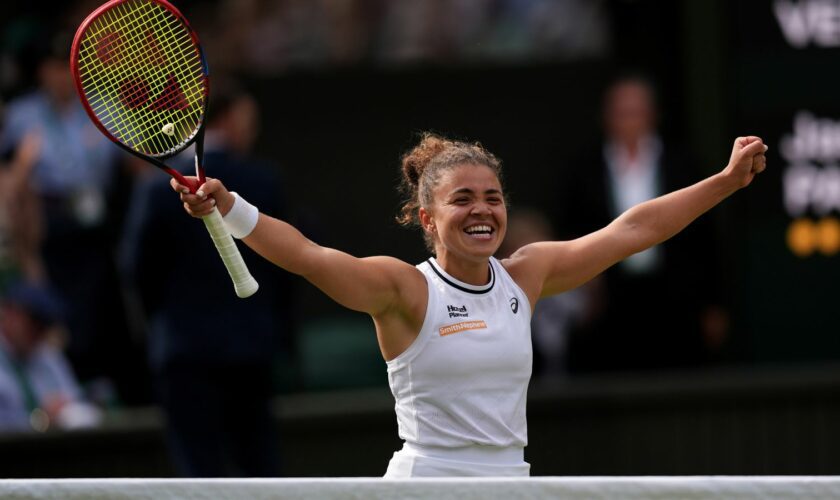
{"x": 547, "y": 268}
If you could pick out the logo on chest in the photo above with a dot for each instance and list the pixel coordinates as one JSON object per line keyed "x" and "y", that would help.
{"x": 457, "y": 312}
{"x": 462, "y": 326}
{"x": 460, "y": 312}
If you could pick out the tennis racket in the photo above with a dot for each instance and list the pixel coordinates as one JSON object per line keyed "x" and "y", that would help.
{"x": 142, "y": 77}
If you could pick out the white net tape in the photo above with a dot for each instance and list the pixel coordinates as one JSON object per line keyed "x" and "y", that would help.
{"x": 731, "y": 488}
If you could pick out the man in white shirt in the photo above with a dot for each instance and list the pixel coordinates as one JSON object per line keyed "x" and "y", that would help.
{"x": 658, "y": 305}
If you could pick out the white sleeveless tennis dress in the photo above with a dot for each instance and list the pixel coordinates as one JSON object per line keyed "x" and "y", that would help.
{"x": 460, "y": 388}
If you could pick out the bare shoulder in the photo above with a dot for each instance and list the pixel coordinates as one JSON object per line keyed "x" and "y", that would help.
{"x": 552, "y": 267}
{"x": 534, "y": 256}
{"x": 404, "y": 272}
{"x": 530, "y": 265}
{"x": 406, "y": 278}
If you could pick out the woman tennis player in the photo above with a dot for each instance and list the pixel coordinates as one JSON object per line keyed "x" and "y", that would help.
{"x": 455, "y": 330}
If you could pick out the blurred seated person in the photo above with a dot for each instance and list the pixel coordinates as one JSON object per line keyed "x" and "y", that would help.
{"x": 38, "y": 390}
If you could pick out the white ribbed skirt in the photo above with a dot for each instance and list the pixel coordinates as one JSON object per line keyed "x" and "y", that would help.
{"x": 414, "y": 460}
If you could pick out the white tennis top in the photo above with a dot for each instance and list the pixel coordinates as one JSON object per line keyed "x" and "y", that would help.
{"x": 464, "y": 379}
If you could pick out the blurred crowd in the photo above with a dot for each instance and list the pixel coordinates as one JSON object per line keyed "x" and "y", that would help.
{"x": 93, "y": 308}
{"x": 269, "y": 36}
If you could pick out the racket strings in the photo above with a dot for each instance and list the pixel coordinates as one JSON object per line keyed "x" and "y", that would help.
{"x": 88, "y": 79}
{"x": 135, "y": 91}
{"x": 151, "y": 131}
{"x": 140, "y": 69}
{"x": 126, "y": 136}
{"x": 112, "y": 38}
{"x": 170, "y": 96}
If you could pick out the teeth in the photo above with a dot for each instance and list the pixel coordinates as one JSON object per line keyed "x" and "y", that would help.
{"x": 479, "y": 229}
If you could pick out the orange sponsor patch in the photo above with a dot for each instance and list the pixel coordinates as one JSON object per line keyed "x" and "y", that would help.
{"x": 460, "y": 327}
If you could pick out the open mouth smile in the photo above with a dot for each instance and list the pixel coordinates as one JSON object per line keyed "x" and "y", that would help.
{"x": 480, "y": 231}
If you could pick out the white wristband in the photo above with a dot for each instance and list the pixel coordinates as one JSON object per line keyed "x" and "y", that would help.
{"x": 242, "y": 217}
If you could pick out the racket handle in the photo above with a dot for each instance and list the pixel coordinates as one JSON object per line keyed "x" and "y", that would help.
{"x": 244, "y": 284}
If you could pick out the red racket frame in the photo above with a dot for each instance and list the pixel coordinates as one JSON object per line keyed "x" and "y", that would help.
{"x": 197, "y": 138}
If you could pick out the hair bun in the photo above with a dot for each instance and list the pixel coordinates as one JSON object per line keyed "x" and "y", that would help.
{"x": 414, "y": 162}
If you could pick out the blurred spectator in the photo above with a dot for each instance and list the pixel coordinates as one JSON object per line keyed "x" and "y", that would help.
{"x": 555, "y": 318}
{"x": 37, "y": 387}
{"x": 211, "y": 353}
{"x": 663, "y": 305}
{"x": 268, "y": 36}
{"x": 57, "y": 153}
{"x": 349, "y": 24}
{"x": 540, "y": 30}
{"x": 417, "y": 31}
{"x": 20, "y": 218}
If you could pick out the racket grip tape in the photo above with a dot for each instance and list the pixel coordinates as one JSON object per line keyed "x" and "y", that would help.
{"x": 244, "y": 284}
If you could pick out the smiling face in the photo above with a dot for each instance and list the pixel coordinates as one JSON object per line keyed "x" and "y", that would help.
{"x": 467, "y": 218}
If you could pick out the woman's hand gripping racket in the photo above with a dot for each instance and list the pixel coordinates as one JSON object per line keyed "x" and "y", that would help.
{"x": 143, "y": 79}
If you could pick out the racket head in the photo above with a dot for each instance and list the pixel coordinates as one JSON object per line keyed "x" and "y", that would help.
{"x": 142, "y": 77}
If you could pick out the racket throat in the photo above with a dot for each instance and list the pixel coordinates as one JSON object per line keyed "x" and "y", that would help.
{"x": 199, "y": 157}
{"x": 199, "y": 172}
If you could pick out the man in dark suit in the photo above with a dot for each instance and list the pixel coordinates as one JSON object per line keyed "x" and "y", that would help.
{"x": 211, "y": 353}
{"x": 660, "y": 308}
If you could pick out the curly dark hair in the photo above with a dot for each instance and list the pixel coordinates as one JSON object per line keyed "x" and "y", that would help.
{"x": 423, "y": 166}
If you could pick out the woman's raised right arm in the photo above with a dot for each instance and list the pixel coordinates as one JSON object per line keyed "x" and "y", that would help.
{"x": 373, "y": 285}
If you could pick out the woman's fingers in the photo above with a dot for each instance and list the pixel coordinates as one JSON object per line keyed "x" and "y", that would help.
{"x": 209, "y": 187}
{"x": 178, "y": 187}
{"x": 197, "y": 204}
{"x": 759, "y": 163}
{"x": 198, "y": 207}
